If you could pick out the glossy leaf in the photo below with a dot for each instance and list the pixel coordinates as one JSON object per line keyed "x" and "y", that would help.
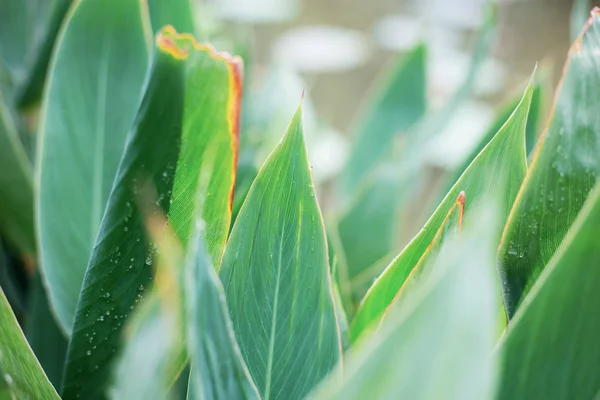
{"x": 184, "y": 136}
{"x": 18, "y": 366}
{"x": 551, "y": 349}
{"x": 218, "y": 369}
{"x": 16, "y": 186}
{"x": 438, "y": 342}
{"x": 276, "y": 276}
{"x": 90, "y": 104}
{"x": 496, "y": 173}
{"x": 400, "y": 102}
{"x": 563, "y": 170}
{"x": 177, "y": 13}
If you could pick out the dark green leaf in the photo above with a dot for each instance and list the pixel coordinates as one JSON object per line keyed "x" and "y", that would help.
{"x": 437, "y": 343}
{"x": 18, "y": 366}
{"x": 49, "y": 16}
{"x": 564, "y": 168}
{"x": 496, "y": 173}
{"x": 16, "y": 187}
{"x": 46, "y": 339}
{"x": 184, "y": 139}
{"x": 551, "y": 349}
{"x": 277, "y": 280}
{"x": 90, "y": 104}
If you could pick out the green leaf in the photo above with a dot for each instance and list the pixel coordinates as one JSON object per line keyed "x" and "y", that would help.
{"x": 218, "y": 369}
{"x": 16, "y": 187}
{"x": 400, "y": 102}
{"x": 276, "y": 276}
{"x": 177, "y": 13}
{"x": 496, "y": 173}
{"x": 505, "y": 112}
{"x": 48, "y": 19}
{"x": 90, "y": 104}
{"x": 564, "y": 168}
{"x": 551, "y": 349}
{"x": 18, "y": 365}
{"x": 46, "y": 339}
{"x": 437, "y": 343}
{"x": 183, "y": 139}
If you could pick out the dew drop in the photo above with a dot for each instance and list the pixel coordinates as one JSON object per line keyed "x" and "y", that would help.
{"x": 88, "y": 353}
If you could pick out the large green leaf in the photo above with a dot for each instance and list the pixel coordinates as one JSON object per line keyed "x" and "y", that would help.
{"x": 90, "y": 104}
{"x": 551, "y": 349}
{"x": 437, "y": 343}
{"x": 276, "y": 276}
{"x": 16, "y": 186}
{"x": 399, "y": 103}
{"x": 218, "y": 369}
{"x": 177, "y": 13}
{"x": 184, "y": 136}
{"x": 18, "y": 365}
{"x": 563, "y": 170}
{"x": 497, "y": 173}
{"x": 579, "y": 15}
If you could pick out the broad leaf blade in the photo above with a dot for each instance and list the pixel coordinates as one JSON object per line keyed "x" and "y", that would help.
{"x": 496, "y": 173}
{"x": 184, "y": 135}
{"x": 277, "y": 280}
{"x": 437, "y": 343}
{"x": 26, "y": 379}
{"x": 400, "y": 102}
{"x": 563, "y": 170}
{"x": 551, "y": 349}
{"x": 16, "y": 187}
{"x": 90, "y": 104}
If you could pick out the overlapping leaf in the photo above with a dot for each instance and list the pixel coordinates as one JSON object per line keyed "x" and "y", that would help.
{"x": 19, "y": 368}
{"x": 184, "y": 137}
{"x": 277, "y": 280}
{"x": 551, "y": 350}
{"x": 563, "y": 170}
{"x": 90, "y": 104}
{"x": 437, "y": 343}
{"x": 496, "y": 173}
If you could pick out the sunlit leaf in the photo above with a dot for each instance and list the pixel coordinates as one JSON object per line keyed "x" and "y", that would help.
{"x": 16, "y": 186}
{"x": 184, "y": 136}
{"x": 438, "y": 342}
{"x": 551, "y": 349}
{"x": 90, "y": 104}
{"x": 277, "y": 280}
{"x": 496, "y": 173}
{"x": 18, "y": 366}
{"x": 563, "y": 170}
